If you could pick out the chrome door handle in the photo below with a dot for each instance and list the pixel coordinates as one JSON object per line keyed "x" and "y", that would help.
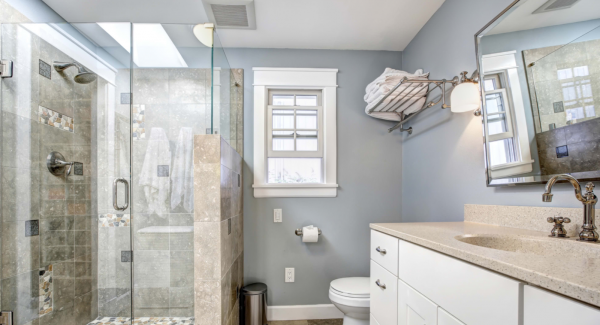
{"x": 115, "y": 194}
{"x": 382, "y": 286}
{"x": 382, "y": 251}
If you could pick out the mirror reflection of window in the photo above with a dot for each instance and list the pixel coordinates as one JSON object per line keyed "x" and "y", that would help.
{"x": 499, "y": 121}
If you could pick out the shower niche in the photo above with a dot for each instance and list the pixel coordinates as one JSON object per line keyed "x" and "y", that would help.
{"x": 88, "y": 127}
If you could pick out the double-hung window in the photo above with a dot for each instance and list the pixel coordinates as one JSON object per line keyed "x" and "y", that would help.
{"x": 295, "y": 137}
{"x": 295, "y": 140}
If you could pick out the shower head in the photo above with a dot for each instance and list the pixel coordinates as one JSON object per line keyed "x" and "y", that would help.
{"x": 84, "y": 76}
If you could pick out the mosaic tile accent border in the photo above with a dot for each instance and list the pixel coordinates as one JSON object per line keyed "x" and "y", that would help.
{"x": 58, "y": 120}
{"x": 46, "y": 290}
{"x": 114, "y": 220}
{"x": 139, "y": 113}
{"x": 143, "y": 321}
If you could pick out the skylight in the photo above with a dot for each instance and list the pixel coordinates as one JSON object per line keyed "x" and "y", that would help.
{"x": 152, "y": 46}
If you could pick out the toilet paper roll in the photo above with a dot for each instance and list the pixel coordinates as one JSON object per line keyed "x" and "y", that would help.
{"x": 310, "y": 234}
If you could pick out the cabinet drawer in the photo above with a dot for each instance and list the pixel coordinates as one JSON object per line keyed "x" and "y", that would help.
{"x": 413, "y": 308}
{"x": 470, "y": 293}
{"x": 384, "y": 302}
{"x": 544, "y": 307}
{"x": 384, "y": 250}
{"x": 446, "y": 319}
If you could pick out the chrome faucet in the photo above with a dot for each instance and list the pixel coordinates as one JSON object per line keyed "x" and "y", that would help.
{"x": 589, "y": 200}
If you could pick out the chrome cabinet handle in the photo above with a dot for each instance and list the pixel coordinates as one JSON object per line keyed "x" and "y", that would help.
{"x": 382, "y": 286}
{"x": 382, "y": 251}
{"x": 115, "y": 194}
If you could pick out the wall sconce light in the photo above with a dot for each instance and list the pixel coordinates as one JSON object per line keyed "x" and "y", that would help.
{"x": 465, "y": 96}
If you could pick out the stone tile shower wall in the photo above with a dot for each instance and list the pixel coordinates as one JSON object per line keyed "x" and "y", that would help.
{"x": 49, "y": 237}
{"x": 563, "y": 81}
{"x": 218, "y": 231}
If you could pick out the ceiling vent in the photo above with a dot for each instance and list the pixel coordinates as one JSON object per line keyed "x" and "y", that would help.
{"x": 233, "y": 14}
{"x": 553, "y": 5}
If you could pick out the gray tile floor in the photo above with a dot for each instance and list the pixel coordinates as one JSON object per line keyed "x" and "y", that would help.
{"x": 309, "y": 322}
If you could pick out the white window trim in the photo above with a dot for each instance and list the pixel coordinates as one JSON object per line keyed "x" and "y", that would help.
{"x": 506, "y": 62}
{"x": 295, "y": 78}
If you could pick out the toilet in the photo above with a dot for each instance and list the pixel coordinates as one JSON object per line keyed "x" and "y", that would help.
{"x": 351, "y": 297}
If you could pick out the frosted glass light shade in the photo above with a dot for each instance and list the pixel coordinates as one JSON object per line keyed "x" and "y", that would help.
{"x": 465, "y": 98}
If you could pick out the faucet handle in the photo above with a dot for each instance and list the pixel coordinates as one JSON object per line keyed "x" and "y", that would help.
{"x": 558, "y": 220}
{"x": 589, "y": 187}
{"x": 559, "y": 229}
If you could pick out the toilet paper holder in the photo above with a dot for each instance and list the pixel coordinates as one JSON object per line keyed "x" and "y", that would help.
{"x": 298, "y": 232}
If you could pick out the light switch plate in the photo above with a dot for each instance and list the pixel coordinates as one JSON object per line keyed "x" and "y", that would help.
{"x": 289, "y": 274}
{"x": 277, "y": 215}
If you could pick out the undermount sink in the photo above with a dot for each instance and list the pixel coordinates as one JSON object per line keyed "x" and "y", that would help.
{"x": 563, "y": 247}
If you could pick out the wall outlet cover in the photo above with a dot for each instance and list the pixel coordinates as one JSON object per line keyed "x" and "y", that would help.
{"x": 290, "y": 274}
{"x": 277, "y": 215}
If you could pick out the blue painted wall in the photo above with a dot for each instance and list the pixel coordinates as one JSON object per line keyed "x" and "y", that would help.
{"x": 442, "y": 161}
{"x": 369, "y": 175}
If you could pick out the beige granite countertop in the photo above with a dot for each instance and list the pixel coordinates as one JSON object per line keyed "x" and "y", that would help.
{"x": 565, "y": 266}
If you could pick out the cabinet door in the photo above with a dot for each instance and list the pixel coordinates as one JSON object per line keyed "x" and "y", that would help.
{"x": 471, "y": 293}
{"x": 446, "y": 319}
{"x": 373, "y": 321}
{"x": 384, "y": 297}
{"x": 544, "y": 307}
{"x": 414, "y": 308}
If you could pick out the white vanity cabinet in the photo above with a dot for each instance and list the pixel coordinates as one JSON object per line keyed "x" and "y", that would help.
{"x": 430, "y": 288}
{"x": 544, "y": 307}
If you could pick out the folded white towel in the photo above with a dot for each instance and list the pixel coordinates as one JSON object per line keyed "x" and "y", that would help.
{"x": 393, "y": 76}
{"x": 387, "y": 86}
{"x": 154, "y": 177}
{"x": 408, "y": 102}
{"x": 182, "y": 175}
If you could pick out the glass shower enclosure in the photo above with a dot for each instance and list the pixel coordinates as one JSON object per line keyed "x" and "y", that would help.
{"x": 97, "y": 185}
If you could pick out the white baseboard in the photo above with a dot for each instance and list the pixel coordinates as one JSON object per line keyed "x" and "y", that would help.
{"x": 303, "y": 312}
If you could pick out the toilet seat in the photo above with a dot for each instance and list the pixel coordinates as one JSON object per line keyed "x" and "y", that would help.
{"x": 351, "y": 287}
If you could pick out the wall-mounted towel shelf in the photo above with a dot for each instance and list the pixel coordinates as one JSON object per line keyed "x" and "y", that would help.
{"x": 406, "y": 94}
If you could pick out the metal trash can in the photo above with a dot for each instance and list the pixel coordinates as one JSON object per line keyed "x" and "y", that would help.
{"x": 254, "y": 307}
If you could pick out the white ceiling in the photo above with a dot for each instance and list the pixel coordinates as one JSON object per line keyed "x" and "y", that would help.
{"x": 522, "y": 17}
{"x": 305, "y": 24}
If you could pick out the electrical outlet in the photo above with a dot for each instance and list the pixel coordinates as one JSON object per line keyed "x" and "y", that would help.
{"x": 277, "y": 215}
{"x": 289, "y": 274}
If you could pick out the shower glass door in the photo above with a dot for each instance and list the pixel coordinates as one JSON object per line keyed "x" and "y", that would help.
{"x": 66, "y": 138}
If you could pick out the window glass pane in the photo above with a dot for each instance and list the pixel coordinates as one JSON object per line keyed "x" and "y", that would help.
{"x": 311, "y": 133}
{"x": 306, "y": 144}
{"x": 490, "y": 84}
{"x": 494, "y": 103}
{"x": 306, "y": 112}
{"x": 306, "y": 100}
{"x": 295, "y": 170}
{"x": 306, "y": 119}
{"x": 502, "y": 152}
{"x": 283, "y": 144}
{"x": 283, "y": 100}
{"x": 283, "y": 119}
{"x": 283, "y": 133}
{"x": 497, "y": 124}
{"x": 575, "y": 113}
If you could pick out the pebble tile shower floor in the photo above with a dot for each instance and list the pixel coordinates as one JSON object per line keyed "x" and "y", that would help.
{"x": 143, "y": 321}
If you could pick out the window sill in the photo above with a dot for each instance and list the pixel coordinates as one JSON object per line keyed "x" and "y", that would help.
{"x": 295, "y": 190}
{"x": 511, "y": 169}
